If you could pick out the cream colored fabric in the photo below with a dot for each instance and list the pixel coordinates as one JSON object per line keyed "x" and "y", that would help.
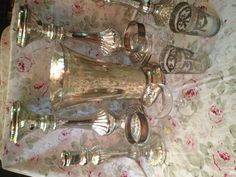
{"x": 200, "y": 133}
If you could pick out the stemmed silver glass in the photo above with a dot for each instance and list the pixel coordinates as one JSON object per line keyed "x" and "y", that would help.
{"x": 153, "y": 151}
{"x": 103, "y": 123}
{"x": 30, "y": 28}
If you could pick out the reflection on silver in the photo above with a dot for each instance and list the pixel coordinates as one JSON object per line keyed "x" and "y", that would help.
{"x": 28, "y": 28}
{"x": 22, "y": 122}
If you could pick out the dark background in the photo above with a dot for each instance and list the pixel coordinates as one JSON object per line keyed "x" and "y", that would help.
{"x": 4, "y": 173}
{"x": 5, "y": 13}
{"x": 5, "y": 19}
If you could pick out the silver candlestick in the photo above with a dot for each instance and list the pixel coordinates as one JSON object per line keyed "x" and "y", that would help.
{"x": 109, "y": 40}
{"x": 29, "y": 28}
{"x": 161, "y": 11}
{"x": 102, "y": 123}
{"x": 153, "y": 151}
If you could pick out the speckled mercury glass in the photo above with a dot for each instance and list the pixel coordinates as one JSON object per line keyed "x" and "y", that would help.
{"x": 76, "y": 78}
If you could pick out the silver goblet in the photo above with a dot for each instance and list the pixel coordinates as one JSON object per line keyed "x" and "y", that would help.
{"x": 30, "y": 28}
{"x": 103, "y": 123}
{"x": 153, "y": 151}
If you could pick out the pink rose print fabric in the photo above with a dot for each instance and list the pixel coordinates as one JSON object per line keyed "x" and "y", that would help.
{"x": 199, "y": 133}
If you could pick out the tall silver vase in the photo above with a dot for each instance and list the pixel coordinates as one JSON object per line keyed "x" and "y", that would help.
{"x": 75, "y": 78}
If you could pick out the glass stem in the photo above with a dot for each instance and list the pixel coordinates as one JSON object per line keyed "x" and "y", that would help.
{"x": 115, "y": 153}
{"x": 87, "y": 37}
{"x": 108, "y": 40}
{"x": 84, "y": 124}
{"x": 102, "y": 122}
{"x": 97, "y": 156}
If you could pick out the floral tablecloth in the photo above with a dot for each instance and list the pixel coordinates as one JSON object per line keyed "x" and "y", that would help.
{"x": 200, "y": 132}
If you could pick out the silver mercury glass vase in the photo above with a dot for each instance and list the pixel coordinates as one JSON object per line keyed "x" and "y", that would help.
{"x": 153, "y": 151}
{"x": 75, "y": 78}
{"x": 103, "y": 123}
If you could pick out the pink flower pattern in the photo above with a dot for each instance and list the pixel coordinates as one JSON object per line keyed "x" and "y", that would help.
{"x": 41, "y": 87}
{"x": 64, "y": 135}
{"x": 77, "y": 8}
{"x": 24, "y": 64}
{"x": 191, "y": 93}
{"x": 224, "y": 155}
{"x": 190, "y": 143}
{"x": 216, "y": 114}
{"x": 183, "y": 133}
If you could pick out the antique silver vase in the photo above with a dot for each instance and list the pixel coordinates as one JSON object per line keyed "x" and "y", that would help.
{"x": 75, "y": 78}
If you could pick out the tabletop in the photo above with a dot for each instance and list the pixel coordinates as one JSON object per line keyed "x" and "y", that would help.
{"x": 199, "y": 133}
